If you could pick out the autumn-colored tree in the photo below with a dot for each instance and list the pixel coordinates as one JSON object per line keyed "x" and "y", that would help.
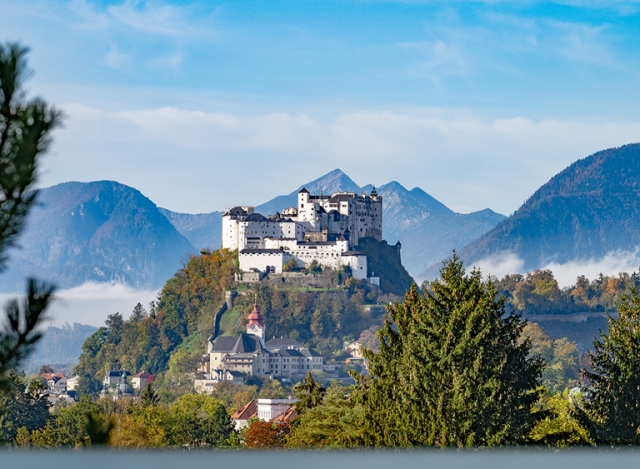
{"x": 266, "y": 435}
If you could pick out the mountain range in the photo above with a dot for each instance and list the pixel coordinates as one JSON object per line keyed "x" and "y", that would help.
{"x": 426, "y": 228}
{"x": 584, "y": 212}
{"x": 104, "y": 231}
{"x": 98, "y": 231}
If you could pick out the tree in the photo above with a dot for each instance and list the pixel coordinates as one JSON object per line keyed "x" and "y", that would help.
{"x": 22, "y": 407}
{"x": 266, "y": 435}
{"x": 451, "y": 370}
{"x": 138, "y": 313}
{"x": 612, "y": 410}
{"x": 24, "y": 134}
{"x": 196, "y": 421}
{"x": 218, "y": 427}
{"x": 336, "y": 422}
{"x": 45, "y": 369}
{"x": 309, "y": 394}
{"x": 149, "y": 397}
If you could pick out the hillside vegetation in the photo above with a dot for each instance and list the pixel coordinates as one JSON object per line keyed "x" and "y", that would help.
{"x": 145, "y": 342}
{"x": 171, "y": 337}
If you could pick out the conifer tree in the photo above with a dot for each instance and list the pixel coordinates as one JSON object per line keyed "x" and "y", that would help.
{"x": 149, "y": 397}
{"x": 309, "y": 394}
{"x": 24, "y": 134}
{"x": 451, "y": 369}
{"x": 612, "y": 408}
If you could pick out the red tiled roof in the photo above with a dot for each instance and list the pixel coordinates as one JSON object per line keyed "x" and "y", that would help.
{"x": 246, "y": 412}
{"x": 53, "y": 376}
{"x": 287, "y": 416}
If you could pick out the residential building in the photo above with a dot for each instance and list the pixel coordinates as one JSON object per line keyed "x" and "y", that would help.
{"x": 140, "y": 380}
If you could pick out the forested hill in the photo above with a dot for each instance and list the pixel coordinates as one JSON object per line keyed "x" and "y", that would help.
{"x": 586, "y": 211}
{"x": 171, "y": 337}
{"x": 100, "y": 231}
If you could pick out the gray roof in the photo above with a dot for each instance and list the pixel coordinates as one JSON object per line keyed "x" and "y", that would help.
{"x": 260, "y": 251}
{"x": 256, "y": 217}
{"x": 289, "y": 352}
{"x": 244, "y": 343}
{"x": 353, "y": 253}
{"x": 309, "y": 352}
{"x": 282, "y": 342}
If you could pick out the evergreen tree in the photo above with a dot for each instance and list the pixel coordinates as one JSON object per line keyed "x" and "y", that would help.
{"x": 218, "y": 427}
{"x": 138, "y": 313}
{"x": 22, "y": 407}
{"x": 24, "y": 135}
{"x": 612, "y": 409}
{"x": 149, "y": 397}
{"x": 451, "y": 370}
{"x": 309, "y": 394}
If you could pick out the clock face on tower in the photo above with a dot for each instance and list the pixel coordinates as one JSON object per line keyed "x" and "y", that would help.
{"x": 254, "y": 328}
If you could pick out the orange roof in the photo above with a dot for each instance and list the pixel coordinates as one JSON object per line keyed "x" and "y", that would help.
{"x": 246, "y": 412}
{"x": 287, "y": 416}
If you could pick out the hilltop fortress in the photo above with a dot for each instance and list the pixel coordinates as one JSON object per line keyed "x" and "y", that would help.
{"x": 323, "y": 228}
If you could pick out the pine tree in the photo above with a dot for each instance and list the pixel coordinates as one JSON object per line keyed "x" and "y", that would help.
{"x": 24, "y": 134}
{"x": 612, "y": 408}
{"x": 149, "y": 397}
{"x": 451, "y": 370}
{"x": 138, "y": 313}
{"x": 309, "y": 394}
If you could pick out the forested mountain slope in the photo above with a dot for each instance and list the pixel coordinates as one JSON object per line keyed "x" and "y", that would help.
{"x": 586, "y": 211}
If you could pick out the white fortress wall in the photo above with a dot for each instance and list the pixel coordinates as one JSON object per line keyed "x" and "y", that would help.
{"x": 262, "y": 259}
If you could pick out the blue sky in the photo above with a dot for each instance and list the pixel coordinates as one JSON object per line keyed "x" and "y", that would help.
{"x": 202, "y": 105}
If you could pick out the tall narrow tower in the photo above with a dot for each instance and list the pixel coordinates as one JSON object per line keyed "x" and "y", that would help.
{"x": 255, "y": 325}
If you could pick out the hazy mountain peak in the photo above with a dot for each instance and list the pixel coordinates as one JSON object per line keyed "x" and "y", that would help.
{"x": 333, "y": 181}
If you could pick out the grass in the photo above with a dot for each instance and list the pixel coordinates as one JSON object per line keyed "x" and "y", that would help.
{"x": 230, "y": 320}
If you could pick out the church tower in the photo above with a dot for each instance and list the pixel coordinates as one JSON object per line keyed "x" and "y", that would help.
{"x": 255, "y": 325}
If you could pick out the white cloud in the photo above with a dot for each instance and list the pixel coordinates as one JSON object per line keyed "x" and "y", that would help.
{"x": 611, "y": 264}
{"x": 91, "y": 303}
{"x": 501, "y": 264}
{"x": 203, "y": 161}
{"x": 566, "y": 274}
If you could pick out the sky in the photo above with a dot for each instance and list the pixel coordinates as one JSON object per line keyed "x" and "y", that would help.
{"x": 203, "y": 105}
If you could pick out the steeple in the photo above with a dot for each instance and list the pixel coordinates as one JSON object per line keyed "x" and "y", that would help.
{"x": 255, "y": 325}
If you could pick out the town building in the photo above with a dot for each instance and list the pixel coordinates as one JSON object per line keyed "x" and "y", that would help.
{"x": 113, "y": 377}
{"x": 140, "y": 380}
{"x": 249, "y": 354}
{"x": 322, "y": 228}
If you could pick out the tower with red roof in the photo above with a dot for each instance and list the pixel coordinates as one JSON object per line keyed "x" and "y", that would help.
{"x": 255, "y": 325}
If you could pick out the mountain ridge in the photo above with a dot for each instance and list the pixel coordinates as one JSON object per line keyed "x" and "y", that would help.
{"x": 102, "y": 231}
{"x": 587, "y": 210}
